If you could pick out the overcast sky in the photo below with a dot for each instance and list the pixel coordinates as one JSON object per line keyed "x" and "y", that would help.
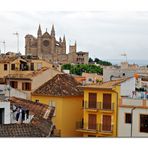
{"x": 103, "y": 34}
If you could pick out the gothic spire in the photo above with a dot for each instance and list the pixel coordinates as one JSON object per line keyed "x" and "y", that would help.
{"x": 52, "y": 31}
{"x": 60, "y": 40}
{"x": 39, "y": 33}
{"x": 64, "y": 40}
{"x": 75, "y": 43}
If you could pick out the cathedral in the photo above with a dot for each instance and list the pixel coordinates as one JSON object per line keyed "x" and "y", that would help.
{"x": 45, "y": 46}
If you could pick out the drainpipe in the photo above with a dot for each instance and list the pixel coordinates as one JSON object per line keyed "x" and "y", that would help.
{"x": 116, "y": 113}
{"x": 132, "y": 120}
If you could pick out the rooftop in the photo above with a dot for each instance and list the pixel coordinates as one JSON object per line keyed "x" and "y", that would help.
{"x": 60, "y": 85}
{"x": 7, "y": 59}
{"x": 39, "y": 126}
{"x": 106, "y": 85}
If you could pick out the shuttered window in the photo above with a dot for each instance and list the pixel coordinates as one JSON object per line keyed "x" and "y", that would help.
{"x": 13, "y": 84}
{"x": 26, "y": 86}
{"x": 12, "y": 66}
{"x": 107, "y": 101}
{"x": 5, "y": 67}
{"x": 92, "y": 100}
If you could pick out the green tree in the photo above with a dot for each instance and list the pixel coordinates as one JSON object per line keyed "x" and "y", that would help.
{"x": 90, "y": 60}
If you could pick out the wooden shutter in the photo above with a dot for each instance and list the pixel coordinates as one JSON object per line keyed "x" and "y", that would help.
{"x": 106, "y": 101}
{"x": 29, "y": 86}
{"x": 92, "y": 100}
{"x": 23, "y": 86}
{"x": 106, "y": 126}
{"x": 92, "y": 121}
{"x": 15, "y": 84}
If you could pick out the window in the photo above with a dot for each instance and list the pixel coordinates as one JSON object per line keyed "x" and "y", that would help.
{"x": 32, "y": 66}
{"x": 5, "y": 66}
{"x": 53, "y": 103}
{"x": 144, "y": 123}
{"x": 92, "y": 100}
{"x": 123, "y": 74}
{"x": 106, "y": 126}
{"x": 128, "y": 118}
{"x": 26, "y": 86}
{"x": 92, "y": 121}
{"x": 12, "y": 66}
{"x": 13, "y": 84}
{"x": 107, "y": 101}
{"x": 1, "y": 115}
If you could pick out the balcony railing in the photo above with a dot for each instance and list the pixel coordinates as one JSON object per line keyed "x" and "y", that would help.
{"x": 98, "y": 106}
{"x": 101, "y": 128}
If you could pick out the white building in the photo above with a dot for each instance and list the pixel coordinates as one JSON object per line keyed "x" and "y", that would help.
{"x": 123, "y": 71}
{"x": 4, "y": 112}
{"x": 5, "y": 92}
{"x": 133, "y": 112}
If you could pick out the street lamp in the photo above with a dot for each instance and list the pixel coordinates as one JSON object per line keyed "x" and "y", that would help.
{"x": 17, "y": 35}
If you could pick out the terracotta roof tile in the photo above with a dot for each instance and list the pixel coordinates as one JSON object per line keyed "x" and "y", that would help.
{"x": 60, "y": 85}
{"x": 20, "y": 130}
{"x": 39, "y": 126}
{"x": 106, "y": 85}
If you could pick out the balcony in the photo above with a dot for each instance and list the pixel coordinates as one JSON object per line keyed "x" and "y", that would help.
{"x": 94, "y": 128}
{"x": 98, "y": 106}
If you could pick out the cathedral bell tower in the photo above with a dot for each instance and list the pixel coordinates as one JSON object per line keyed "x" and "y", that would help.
{"x": 39, "y": 42}
{"x": 52, "y": 39}
{"x": 64, "y": 45}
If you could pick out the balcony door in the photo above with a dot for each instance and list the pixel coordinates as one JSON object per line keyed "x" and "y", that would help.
{"x": 106, "y": 125}
{"x": 107, "y": 101}
{"x": 92, "y": 121}
{"x": 92, "y": 100}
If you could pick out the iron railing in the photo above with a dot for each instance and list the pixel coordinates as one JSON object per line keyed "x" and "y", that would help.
{"x": 98, "y": 106}
{"x": 101, "y": 128}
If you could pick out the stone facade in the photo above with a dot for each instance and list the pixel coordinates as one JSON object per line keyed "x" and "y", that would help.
{"x": 45, "y": 46}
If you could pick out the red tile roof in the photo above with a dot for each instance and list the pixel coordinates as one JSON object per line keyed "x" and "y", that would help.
{"x": 106, "y": 85}
{"x": 60, "y": 85}
{"x": 39, "y": 126}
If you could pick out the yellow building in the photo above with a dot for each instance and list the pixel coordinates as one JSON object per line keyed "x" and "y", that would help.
{"x": 25, "y": 74}
{"x": 100, "y": 113}
{"x": 18, "y": 65}
{"x": 62, "y": 92}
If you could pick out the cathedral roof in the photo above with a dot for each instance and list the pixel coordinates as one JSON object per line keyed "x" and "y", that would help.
{"x": 46, "y": 34}
{"x": 29, "y": 36}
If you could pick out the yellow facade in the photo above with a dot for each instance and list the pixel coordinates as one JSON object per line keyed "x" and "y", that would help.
{"x": 68, "y": 110}
{"x": 100, "y": 112}
{"x": 38, "y": 64}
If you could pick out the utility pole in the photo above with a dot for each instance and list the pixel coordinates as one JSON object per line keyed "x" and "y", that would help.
{"x": 17, "y": 36}
{"x": 4, "y": 44}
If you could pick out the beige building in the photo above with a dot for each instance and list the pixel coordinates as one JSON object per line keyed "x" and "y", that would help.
{"x": 46, "y": 46}
{"x": 123, "y": 71}
{"x": 25, "y": 74}
{"x": 30, "y": 81}
{"x": 19, "y": 65}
